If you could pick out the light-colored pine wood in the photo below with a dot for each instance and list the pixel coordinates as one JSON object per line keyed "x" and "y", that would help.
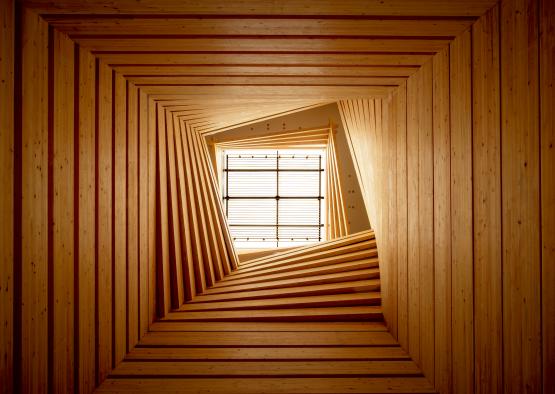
{"x": 442, "y": 222}
{"x": 461, "y": 213}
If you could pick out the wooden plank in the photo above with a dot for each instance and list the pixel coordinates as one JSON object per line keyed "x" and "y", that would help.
{"x": 120, "y": 218}
{"x": 253, "y": 7}
{"x": 164, "y": 299}
{"x": 366, "y": 326}
{"x": 104, "y": 301}
{"x": 110, "y": 25}
{"x": 143, "y": 135}
{"x": 461, "y": 214}
{"x": 442, "y": 221}
{"x": 152, "y": 208}
{"x": 7, "y": 30}
{"x": 269, "y": 353}
{"x": 34, "y": 205}
{"x": 86, "y": 242}
{"x": 520, "y": 168}
{"x": 265, "y": 339}
{"x": 185, "y": 231}
{"x": 414, "y": 86}
{"x": 547, "y": 102}
{"x": 176, "y": 251}
{"x": 252, "y": 369}
{"x": 402, "y": 221}
{"x": 345, "y": 313}
{"x": 426, "y": 220}
{"x": 64, "y": 215}
{"x": 271, "y": 386}
{"x": 132, "y": 216}
{"x": 486, "y": 137}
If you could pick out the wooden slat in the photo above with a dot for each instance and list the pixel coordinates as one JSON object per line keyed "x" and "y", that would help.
{"x": 86, "y": 243}
{"x": 164, "y": 302}
{"x": 34, "y": 204}
{"x": 461, "y": 213}
{"x": 366, "y": 326}
{"x": 442, "y": 221}
{"x": 269, "y": 353}
{"x": 65, "y": 234}
{"x": 104, "y": 223}
{"x": 120, "y": 219}
{"x": 264, "y": 339}
{"x": 520, "y": 168}
{"x": 152, "y": 138}
{"x": 547, "y": 102}
{"x": 7, "y": 30}
{"x": 132, "y": 216}
{"x": 143, "y": 179}
{"x": 486, "y": 136}
{"x": 272, "y": 386}
{"x": 112, "y": 25}
{"x": 252, "y": 369}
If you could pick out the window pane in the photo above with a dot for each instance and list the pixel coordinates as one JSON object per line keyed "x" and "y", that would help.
{"x": 252, "y": 184}
{"x": 251, "y": 161}
{"x": 299, "y": 234}
{"x": 299, "y": 184}
{"x": 307, "y": 162}
{"x": 299, "y": 211}
{"x": 249, "y": 211}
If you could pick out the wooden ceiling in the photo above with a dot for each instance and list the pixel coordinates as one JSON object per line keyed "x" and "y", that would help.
{"x": 231, "y": 63}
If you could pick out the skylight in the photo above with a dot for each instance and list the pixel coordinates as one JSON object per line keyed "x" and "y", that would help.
{"x": 274, "y": 198}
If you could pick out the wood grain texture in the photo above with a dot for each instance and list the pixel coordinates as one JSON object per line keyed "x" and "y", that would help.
{"x": 105, "y": 214}
{"x": 65, "y": 216}
{"x": 520, "y": 166}
{"x": 7, "y": 31}
{"x": 547, "y": 101}
{"x": 34, "y": 205}
{"x": 86, "y": 231}
{"x": 461, "y": 214}
{"x": 486, "y": 136}
{"x": 442, "y": 222}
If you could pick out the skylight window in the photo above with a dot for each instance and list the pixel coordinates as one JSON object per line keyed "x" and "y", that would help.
{"x": 274, "y": 198}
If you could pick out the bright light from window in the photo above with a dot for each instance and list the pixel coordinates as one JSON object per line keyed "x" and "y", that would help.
{"x": 274, "y": 198}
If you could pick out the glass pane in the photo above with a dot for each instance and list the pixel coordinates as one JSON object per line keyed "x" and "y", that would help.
{"x": 248, "y": 211}
{"x": 299, "y": 211}
{"x": 251, "y": 161}
{"x": 252, "y": 184}
{"x": 299, "y": 161}
{"x": 299, "y": 184}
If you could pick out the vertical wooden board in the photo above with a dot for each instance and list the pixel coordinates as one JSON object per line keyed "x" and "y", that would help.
{"x": 392, "y": 210}
{"x": 413, "y": 247}
{"x": 86, "y": 224}
{"x": 132, "y": 217}
{"x": 461, "y": 214}
{"x": 520, "y": 196}
{"x": 104, "y": 224}
{"x": 442, "y": 222}
{"x": 211, "y": 244}
{"x": 34, "y": 205}
{"x": 547, "y": 102}
{"x": 120, "y": 219}
{"x": 426, "y": 220}
{"x": 143, "y": 214}
{"x": 152, "y": 209}
{"x": 7, "y": 19}
{"x": 176, "y": 265}
{"x": 162, "y": 236}
{"x": 401, "y": 208}
{"x": 486, "y": 162}
{"x": 64, "y": 215}
{"x": 198, "y": 257}
{"x": 185, "y": 230}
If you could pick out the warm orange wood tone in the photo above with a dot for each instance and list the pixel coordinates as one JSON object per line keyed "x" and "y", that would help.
{"x": 117, "y": 269}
